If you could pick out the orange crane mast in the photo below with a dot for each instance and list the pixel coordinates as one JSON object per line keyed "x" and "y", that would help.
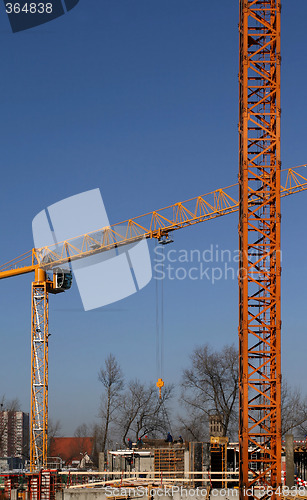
{"x": 259, "y": 235}
{"x": 157, "y": 224}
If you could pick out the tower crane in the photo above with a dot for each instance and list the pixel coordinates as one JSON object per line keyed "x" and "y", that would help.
{"x": 157, "y": 224}
{"x": 259, "y": 237}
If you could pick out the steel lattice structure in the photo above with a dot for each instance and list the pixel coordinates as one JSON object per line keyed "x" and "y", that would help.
{"x": 259, "y": 233}
{"x": 39, "y": 373}
{"x": 151, "y": 225}
{"x": 156, "y": 224}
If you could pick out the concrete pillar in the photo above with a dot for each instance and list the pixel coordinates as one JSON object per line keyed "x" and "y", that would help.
{"x": 186, "y": 464}
{"x": 101, "y": 461}
{"x": 289, "y": 460}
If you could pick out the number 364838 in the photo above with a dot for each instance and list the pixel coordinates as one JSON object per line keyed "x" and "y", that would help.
{"x": 29, "y": 8}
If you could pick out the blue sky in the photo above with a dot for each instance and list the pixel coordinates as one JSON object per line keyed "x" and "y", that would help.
{"x": 140, "y": 99}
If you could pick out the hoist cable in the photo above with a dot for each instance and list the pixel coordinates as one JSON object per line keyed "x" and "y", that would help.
{"x": 158, "y": 368}
{"x": 162, "y": 320}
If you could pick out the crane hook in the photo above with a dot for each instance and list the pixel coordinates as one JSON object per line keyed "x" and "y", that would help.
{"x": 160, "y": 384}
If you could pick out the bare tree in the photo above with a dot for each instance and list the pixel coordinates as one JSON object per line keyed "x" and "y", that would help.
{"x": 9, "y": 404}
{"x": 192, "y": 426}
{"x": 293, "y": 409}
{"x": 54, "y": 428}
{"x": 83, "y": 430}
{"x": 142, "y": 412}
{"x": 211, "y": 385}
{"x": 112, "y": 380}
{"x": 91, "y": 430}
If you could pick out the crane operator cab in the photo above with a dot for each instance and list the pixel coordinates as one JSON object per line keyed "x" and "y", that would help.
{"x": 62, "y": 280}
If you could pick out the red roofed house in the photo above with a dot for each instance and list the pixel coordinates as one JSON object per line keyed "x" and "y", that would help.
{"x": 72, "y": 449}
